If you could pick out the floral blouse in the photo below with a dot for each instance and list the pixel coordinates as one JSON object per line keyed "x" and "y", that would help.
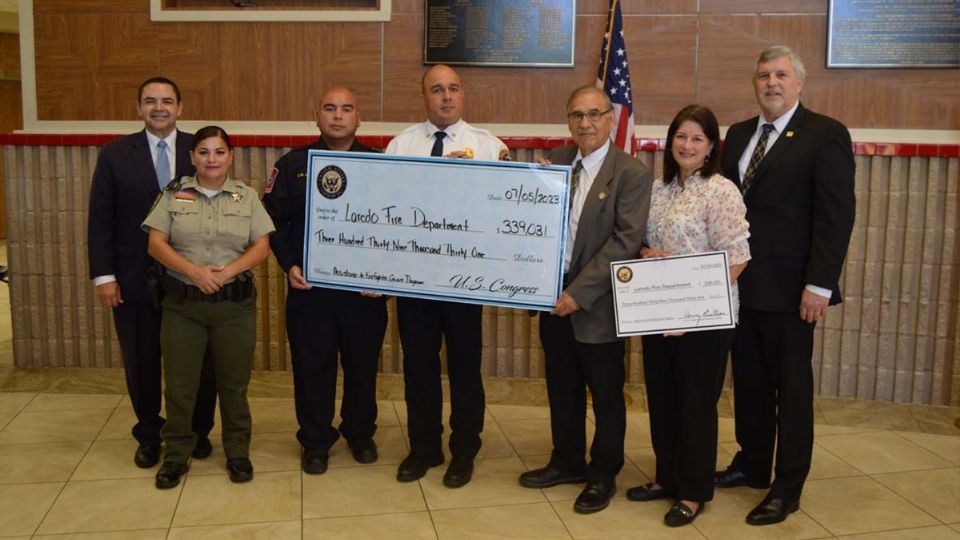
{"x": 707, "y": 214}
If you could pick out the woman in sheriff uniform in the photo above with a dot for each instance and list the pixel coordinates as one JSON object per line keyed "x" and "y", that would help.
{"x": 208, "y": 231}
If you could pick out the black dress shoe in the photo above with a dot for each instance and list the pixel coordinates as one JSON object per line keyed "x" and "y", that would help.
{"x": 734, "y": 478}
{"x": 169, "y": 474}
{"x": 240, "y": 469}
{"x": 459, "y": 472}
{"x": 314, "y": 461}
{"x": 646, "y": 493}
{"x": 147, "y": 455}
{"x": 364, "y": 451}
{"x": 681, "y": 514}
{"x": 548, "y": 476}
{"x": 203, "y": 449}
{"x": 772, "y": 510}
{"x": 595, "y": 497}
{"x": 415, "y": 467}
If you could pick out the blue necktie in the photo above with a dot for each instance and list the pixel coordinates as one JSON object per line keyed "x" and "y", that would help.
{"x": 162, "y": 166}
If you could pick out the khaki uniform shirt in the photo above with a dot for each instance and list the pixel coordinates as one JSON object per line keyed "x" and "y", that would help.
{"x": 209, "y": 230}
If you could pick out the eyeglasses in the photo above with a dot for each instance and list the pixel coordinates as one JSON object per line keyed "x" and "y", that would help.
{"x": 592, "y": 115}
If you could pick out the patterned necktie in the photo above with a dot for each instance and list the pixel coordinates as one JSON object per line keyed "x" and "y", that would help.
{"x": 437, "y": 149}
{"x": 162, "y": 165}
{"x": 757, "y": 156}
{"x": 575, "y": 180}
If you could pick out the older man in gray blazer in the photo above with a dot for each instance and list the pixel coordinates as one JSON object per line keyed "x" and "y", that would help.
{"x": 610, "y": 200}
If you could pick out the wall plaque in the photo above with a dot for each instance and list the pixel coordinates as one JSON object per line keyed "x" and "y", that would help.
{"x": 499, "y": 32}
{"x": 893, "y": 34}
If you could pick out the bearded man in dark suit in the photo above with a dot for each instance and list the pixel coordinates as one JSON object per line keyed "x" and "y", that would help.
{"x": 796, "y": 171}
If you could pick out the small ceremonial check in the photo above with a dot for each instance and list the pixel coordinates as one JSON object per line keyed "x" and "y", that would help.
{"x": 684, "y": 293}
{"x": 482, "y": 232}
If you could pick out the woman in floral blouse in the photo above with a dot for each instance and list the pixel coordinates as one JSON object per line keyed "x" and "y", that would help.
{"x": 693, "y": 209}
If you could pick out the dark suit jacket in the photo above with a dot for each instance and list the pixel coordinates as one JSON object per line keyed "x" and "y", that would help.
{"x": 123, "y": 190}
{"x": 800, "y": 206}
{"x": 610, "y": 229}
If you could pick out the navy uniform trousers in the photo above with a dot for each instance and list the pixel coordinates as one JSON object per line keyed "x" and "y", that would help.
{"x": 319, "y": 323}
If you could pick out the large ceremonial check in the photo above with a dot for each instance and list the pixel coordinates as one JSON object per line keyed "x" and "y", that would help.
{"x": 672, "y": 294}
{"x": 446, "y": 229}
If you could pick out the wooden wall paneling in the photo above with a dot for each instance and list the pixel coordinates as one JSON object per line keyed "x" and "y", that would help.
{"x": 9, "y": 51}
{"x": 662, "y": 77}
{"x": 403, "y": 68}
{"x": 92, "y": 55}
{"x": 763, "y": 7}
{"x": 873, "y": 98}
{"x": 91, "y": 6}
{"x": 89, "y": 66}
{"x": 729, "y": 45}
{"x": 243, "y": 71}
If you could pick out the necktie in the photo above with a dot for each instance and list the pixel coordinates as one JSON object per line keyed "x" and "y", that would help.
{"x": 757, "y": 156}
{"x": 575, "y": 180}
{"x": 437, "y": 149}
{"x": 162, "y": 165}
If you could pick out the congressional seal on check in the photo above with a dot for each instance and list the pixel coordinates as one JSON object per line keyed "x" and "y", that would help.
{"x": 460, "y": 230}
{"x": 684, "y": 293}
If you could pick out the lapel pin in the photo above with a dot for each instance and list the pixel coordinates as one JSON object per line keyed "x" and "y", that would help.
{"x": 602, "y": 195}
{"x": 789, "y": 134}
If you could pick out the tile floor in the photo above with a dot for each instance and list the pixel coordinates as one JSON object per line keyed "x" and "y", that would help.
{"x": 66, "y": 471}
{"x": 880, "y": 471}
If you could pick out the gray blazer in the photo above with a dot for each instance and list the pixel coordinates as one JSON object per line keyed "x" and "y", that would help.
{"x": 611, "y": 228}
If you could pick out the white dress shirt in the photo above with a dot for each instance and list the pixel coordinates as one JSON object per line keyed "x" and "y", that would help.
{"x": 418, "y": 139}
{"x": 591, "y": 167}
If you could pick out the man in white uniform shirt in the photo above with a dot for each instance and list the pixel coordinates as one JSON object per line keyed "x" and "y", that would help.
{"x": 424, "y": 324}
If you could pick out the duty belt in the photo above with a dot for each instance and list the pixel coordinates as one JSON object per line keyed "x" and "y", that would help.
{"x": 237, "y": 291}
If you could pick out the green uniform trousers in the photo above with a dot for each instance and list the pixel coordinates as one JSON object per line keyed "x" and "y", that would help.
{"x": 186, "y": 329}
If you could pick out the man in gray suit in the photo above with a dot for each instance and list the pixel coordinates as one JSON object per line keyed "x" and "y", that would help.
{"x": 610, "y": 200}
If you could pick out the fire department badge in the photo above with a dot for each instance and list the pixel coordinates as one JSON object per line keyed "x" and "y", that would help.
{"x": 624, "y": 274}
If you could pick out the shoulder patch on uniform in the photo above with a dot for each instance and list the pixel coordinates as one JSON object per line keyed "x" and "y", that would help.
{"x": 272, "y": 181}
{"x": 174, "y": 185}
{"x": 504, "y": 155}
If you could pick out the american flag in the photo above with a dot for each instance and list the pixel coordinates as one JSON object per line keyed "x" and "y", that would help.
{"x": 614, "y": 78}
